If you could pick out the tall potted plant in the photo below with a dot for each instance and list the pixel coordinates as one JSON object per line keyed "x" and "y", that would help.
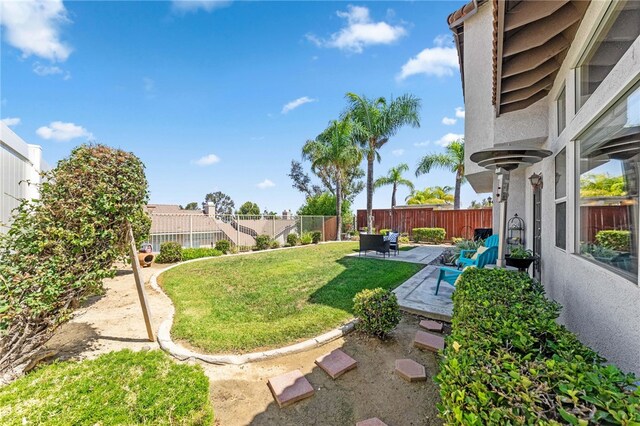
{"x": 520, "y": 258}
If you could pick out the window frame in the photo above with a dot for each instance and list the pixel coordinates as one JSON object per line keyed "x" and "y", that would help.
{"x": 560, "y": 200}
{"x": 562, "y": 94}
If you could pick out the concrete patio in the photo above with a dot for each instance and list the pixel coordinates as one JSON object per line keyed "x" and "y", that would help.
{"x": 417, "y": 294}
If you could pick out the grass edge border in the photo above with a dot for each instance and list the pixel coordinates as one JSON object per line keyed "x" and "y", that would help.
{"x": 180, "y": 352}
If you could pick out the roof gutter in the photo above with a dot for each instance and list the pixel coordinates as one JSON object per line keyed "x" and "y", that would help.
{"x": 458, "y": 32}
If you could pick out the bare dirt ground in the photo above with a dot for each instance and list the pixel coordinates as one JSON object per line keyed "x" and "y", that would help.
{"x": 240, "y": 394}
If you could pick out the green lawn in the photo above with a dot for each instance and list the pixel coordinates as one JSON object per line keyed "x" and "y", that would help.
{"x": 271, "y": 299}
{"x": 119, "y": 388}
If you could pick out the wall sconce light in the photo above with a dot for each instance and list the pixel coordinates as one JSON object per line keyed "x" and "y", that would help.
{"x": 536, "y": 180}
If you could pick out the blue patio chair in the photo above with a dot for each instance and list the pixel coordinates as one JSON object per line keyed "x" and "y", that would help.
{"x": 450, "y": 275}
{"x": 465, "y": 255}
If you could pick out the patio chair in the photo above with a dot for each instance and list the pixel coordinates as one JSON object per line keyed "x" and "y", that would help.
{"x": 374, "y": 242}
{"x": 450, "y": 275}
{"x": 466, "y": 256}
{"x": 393, "y": 242}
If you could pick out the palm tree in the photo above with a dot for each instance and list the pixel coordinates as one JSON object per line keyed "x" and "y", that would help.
{"x": 431, "y": 195}
{"x": 333, "y": 153}
{"x": 394, "y": 177}
{"x": 378, "y": 120}
{"x": 452, "y": 159}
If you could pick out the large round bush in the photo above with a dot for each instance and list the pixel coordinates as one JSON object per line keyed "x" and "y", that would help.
{"x": 377, "y": 310}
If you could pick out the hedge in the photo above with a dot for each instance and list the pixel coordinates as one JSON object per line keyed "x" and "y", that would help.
{"x": 507, "y": 361}
{"x": 429, "y": 235}
{"x": 614, "y": 240}
{"x": 197, "y": 253}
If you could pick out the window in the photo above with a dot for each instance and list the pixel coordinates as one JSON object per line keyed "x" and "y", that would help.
{"x": 618, "y": 32}
{"x": 561, "y": 105}
{"x": 561, "y": 199}
{"x": 608, "y": 167}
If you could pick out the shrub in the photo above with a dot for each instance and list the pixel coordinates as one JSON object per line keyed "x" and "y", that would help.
{"x": 275, "y": 244}
{"x": 404, "y": 240}
{"x": 263, "y": 242}
{"x": 377, "y": 310}
{"x": 61, "y": 246}
{"x": 429, "y": 235}
{"x": 197, "y": 253}
{"x": 170, "y": 252}
{"x": 385, "y": 231}
{"x": 316, "y": 237}
{"x": 507, "y": 361}
{"x": 223, "y": 245}
{"x": 306, "y": 238}
{"x": 614, "y": 240}
{"x": 292, "y": 239}
{"x": 116, "y": 388}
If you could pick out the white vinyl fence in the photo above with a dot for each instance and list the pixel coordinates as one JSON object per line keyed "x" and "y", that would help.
{"x": 197, "y": 229}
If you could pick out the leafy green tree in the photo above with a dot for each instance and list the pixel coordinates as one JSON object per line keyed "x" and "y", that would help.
{"x": 394, "y": 178}
{"x": 452, "y": 159}
{"x": 222, "y": 202}
{"x": 249, "y": 208}
{"x": 324, "y": 204}
{"x": 334, "y": 153}
{"x": 61, "y": 246}
{"x": 191, "y": 206}
{"x": 377, "y": 120}
{"x": 602, "y": 185}
{"x": 302, "y": 181}
{"x": 431, "y": 195}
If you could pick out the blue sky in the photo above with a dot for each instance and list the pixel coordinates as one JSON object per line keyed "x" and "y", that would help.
{"x": 222, "y": 95}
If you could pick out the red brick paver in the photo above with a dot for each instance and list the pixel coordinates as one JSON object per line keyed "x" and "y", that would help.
{"x": 336, "y": 363}
{"x": 289, "y": 388}
{"x": 410, "y": 370}
{"x": 431, "y": 325}
{"x": 428, "y": 341}
{"x": 371, "y": 422}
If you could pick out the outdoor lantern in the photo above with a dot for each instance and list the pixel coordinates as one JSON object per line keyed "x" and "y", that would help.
{"x": 536, "y": 180}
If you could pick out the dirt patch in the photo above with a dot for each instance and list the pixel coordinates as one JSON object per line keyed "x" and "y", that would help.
{"x": 241, "y": 396}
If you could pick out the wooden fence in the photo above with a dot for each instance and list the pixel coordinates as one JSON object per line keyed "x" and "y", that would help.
{"x": 457, "y": 223}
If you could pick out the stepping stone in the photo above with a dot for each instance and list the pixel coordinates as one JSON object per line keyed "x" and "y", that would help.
{"x": 289, "y": 388}
{"x": 410, "y": 370}
{"x": 336, "y": 363}
{"x": 428, "y": 341}
{"x": 371, "y": 422}
{"x": 431, "y": 325}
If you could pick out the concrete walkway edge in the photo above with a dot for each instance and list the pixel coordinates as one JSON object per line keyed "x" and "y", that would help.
{"x": 182, "y": 353}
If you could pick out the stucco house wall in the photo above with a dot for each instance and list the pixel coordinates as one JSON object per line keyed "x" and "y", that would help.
{"x": 600, "y": 306}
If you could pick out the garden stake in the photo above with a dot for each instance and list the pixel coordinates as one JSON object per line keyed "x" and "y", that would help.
{"x": 139, "y": 284}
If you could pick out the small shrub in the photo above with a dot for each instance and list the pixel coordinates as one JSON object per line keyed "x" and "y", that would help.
{"x": 263, "y": 242}
{"x": 292, "y": 239}
{"x": 404, "y": 240}
{"x": 197, "y": 253}
{"x": 507, "y": 361}
{"x": 316, "y": 237}
{"x": 306, "y": 238}
{"x": 429, "y": 235}
{"x": 223, "y": 245}
{"x": 377, "y": 310}
{"x": 385, "y": 231}
{"x": 275, "y": 244}
{"x": 170, "y": 252}
{"x": 614, "y": 240}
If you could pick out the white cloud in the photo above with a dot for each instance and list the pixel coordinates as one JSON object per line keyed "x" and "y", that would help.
{"x": 448, "y": 138}
{"x": 460, "y": 112}
{"x": 421, "y": 144}
{"x": 359, "y": 32}
{"x": 449, "y": 121}
{"x": 438, "y": 61}
{"x": 207, "y": 160}
{"x": 11, "y": 121}
{"x": 45, "y": 70}
{"x": 443, "y": 40}
{"x": 33, "y": 27}
{"x": 186, "y": 6}
{"x": 397, "y": 152}
{"x": 266, "y": 184}
{"x": 63, "y": 132}
{"x": 290, "y": 106}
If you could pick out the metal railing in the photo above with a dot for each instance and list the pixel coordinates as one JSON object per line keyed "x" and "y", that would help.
{"x": 196, "y": 229}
